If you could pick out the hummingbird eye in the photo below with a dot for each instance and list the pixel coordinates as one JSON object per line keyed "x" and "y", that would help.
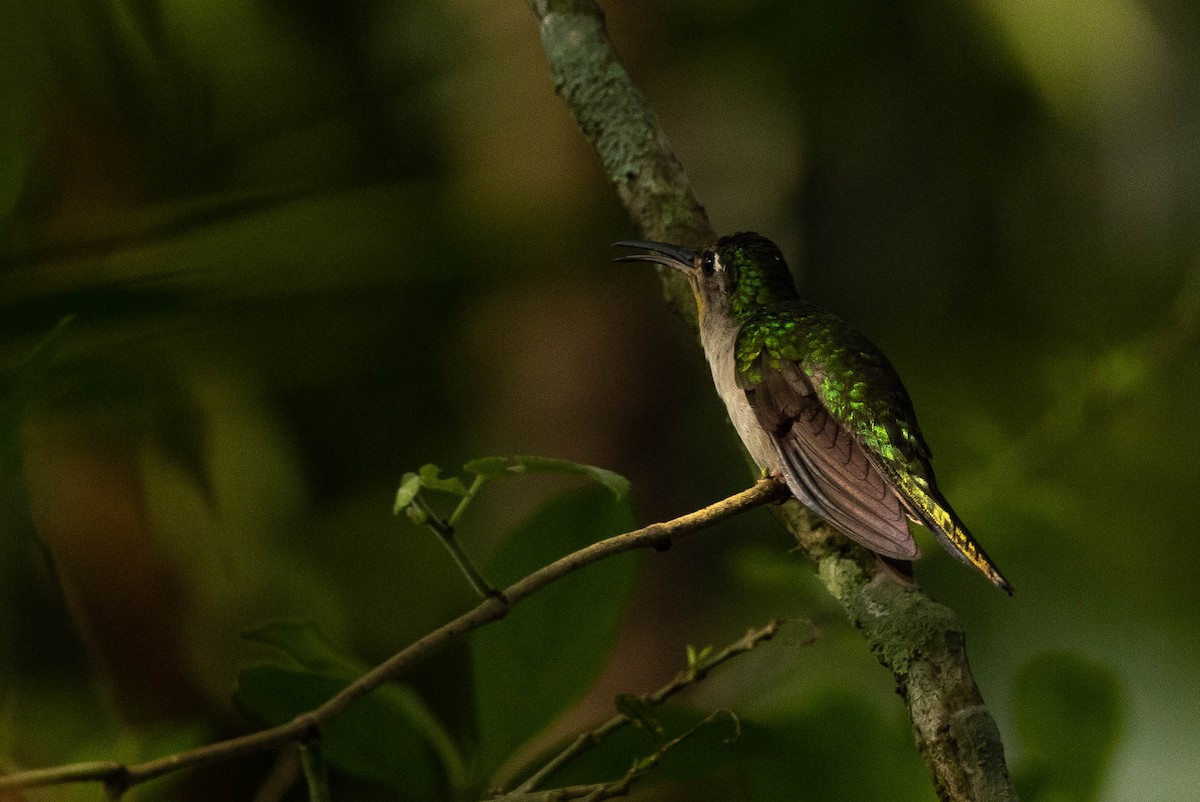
{"x": 708, "y": 263}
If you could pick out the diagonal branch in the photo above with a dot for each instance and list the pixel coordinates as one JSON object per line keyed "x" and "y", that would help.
{"x": 615, "y": 788}
{"x": 684, "y": 679}
{"x": 919, "y": 640}
{"x": 305, "y": 728}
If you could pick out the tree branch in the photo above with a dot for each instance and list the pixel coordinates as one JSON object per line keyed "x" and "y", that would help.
{"x": 615, "y": 788}
{"x": 684, "y": 679}
{"x": 618, "y": 122}
{"x": 919, "y": 640}
{"x": 305, "y": 728}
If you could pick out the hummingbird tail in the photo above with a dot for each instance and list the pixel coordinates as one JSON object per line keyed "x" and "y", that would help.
{"x": 935, "y": 513}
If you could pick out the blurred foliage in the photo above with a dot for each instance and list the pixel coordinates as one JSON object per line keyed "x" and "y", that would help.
{"x": 1068, "y": 721}
{"x": 523, "y": 679}
{"x": 308, "y": 245}
{"x": 389, "y": 739}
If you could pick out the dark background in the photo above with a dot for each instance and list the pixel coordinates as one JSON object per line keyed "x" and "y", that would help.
{"x": 309, "y": 246}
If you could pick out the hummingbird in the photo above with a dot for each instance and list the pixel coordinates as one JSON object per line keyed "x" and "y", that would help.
{"x": 814, "y": 401}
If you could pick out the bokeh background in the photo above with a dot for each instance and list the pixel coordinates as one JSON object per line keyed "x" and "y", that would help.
{"x": 309, "y": 246}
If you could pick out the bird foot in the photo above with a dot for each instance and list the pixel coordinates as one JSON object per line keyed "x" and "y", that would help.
{"x": 776, "y": 475}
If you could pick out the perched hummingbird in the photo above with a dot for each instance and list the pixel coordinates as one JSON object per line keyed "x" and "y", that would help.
{"x": 815, "y": 401}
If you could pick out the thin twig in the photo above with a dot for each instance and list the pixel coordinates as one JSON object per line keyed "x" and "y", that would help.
{"x": 467, "y": 499}
{"x": 919, "y": 640}
{"x": 281, "y": 778}
{"x": 689, "y": 676}
{"x": 316, "y": 773}
{"x": 614, "y": 788}
{"x": 446, "y": 534}
{"x": 657, "y": 536}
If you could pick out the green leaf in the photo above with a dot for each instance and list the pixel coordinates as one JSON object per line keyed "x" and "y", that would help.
{"x": 645, "y": 763}
{"x": 308, "y": 649}
{"x": 427, "y": 478}
{"x": 496, "y": 467}
{"x": 430, "y": 477}
{"x": 696, "y": 658}
{"x": 384, "y": 738}
{"x": 540, "y": 659}
{"x": 416, "y": 514}
{"x": 307, "y": 646}
{"x": 1069, "y": 714}
{"x": 410, "y": 486}
{"x": 414, "y": 710}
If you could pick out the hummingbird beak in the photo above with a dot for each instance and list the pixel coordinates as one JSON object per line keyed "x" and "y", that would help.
{"x": 664, "y": 254}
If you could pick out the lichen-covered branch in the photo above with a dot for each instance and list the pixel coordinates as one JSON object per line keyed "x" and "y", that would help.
{"x": 615, "y": 117}
{"x": 919, "y": 640}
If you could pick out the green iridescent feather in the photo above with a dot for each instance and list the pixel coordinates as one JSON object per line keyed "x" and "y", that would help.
{"x": 854, "y": 381}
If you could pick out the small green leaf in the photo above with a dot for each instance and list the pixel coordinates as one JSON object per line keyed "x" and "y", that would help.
{"x": 645, "y": 763}
{"x": 489, "y": 467}
{"x": 431, "y": 478}
{"x": 428, "y": 478}
{"x": 410, "y": 486}
{"x": 497, "y": 467}
{"x": 696, "y": 658}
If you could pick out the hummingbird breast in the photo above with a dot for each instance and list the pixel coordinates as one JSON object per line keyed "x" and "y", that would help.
{"x": 719, "y": 338}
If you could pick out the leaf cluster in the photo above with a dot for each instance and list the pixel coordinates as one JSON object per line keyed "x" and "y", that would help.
{"x": 522, "y": 678}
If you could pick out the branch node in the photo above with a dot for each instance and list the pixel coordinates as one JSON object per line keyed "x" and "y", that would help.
{"x": 499, "y": 600}
{"x": 659, "y": 537}
{"x": 117, "y": 782}
{"x": 308, "y": 729}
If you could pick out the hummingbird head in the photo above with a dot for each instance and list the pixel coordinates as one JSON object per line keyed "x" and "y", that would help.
{"x": 736, "y": 276}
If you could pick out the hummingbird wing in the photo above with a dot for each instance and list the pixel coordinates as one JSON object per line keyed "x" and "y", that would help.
{"x": 848, "y": 438}
{"x": 825, "y": 466}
